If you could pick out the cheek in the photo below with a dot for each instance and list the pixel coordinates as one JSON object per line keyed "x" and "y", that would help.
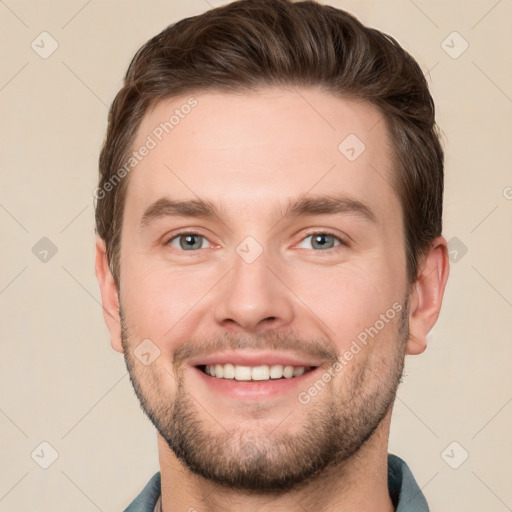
{"x": 350, "y": 300}
{"x": 157, "y": 301}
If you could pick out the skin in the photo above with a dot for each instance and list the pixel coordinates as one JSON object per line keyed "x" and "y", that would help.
{"x": 250, "y": 154}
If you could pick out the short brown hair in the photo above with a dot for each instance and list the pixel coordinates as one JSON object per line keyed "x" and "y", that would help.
{"x": 249, "y": 44}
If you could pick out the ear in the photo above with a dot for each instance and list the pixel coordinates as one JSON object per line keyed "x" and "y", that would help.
{"x": 427, "y": 295}
{"x": 109, "y": 295}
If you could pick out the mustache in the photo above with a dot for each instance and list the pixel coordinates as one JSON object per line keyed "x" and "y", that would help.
{"x": 320, "y": 348}
{"x": 271, "y": 340}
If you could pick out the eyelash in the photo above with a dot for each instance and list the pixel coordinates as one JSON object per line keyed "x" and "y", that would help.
{"x": 342, "y": 242}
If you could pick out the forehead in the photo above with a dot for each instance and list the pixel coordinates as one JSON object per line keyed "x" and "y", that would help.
{"x": 253, "y": 151}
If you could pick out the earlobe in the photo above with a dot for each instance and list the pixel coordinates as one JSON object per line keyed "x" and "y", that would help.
{"x": 427, "y": 295}
{"x": 109, "y": 295}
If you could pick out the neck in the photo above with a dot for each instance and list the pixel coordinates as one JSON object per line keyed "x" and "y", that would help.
{"x": 359, "y": 484}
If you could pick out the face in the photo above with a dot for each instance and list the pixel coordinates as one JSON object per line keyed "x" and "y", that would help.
{"x": 256, "y": 233}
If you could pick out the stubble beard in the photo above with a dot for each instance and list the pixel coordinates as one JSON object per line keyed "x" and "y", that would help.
{"x": 337, "y": 423}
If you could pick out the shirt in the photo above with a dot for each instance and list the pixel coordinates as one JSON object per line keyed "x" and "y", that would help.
{"x": 403, "y": 490}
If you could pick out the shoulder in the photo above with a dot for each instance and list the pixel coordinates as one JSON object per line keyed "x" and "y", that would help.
{"x": 146, "y": 500}
{"x": 403, "y": 489}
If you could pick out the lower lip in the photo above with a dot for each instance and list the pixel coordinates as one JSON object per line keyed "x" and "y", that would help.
{"x": 254, "y": 389}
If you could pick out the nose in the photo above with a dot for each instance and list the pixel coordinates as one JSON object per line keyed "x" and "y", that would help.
{"x": 253, "y": 297}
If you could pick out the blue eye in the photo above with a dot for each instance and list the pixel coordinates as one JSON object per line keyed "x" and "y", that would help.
{"x": 188, "y": 241}
{"x": 323, "y": 241}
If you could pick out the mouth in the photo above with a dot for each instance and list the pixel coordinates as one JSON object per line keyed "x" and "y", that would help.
{"x": 260, "y": 373}
{"x": 253, "y": 383}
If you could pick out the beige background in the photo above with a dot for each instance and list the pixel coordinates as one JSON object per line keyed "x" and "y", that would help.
{"x": 60, "y": 381}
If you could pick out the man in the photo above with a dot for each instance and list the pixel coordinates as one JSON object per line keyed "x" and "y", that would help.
{"x": 269, "y": 250}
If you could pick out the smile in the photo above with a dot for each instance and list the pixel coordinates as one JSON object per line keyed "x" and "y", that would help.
{"x": 247, "y": 373}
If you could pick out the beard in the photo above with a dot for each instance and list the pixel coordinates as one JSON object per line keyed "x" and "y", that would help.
{"x": 336, "y": 425}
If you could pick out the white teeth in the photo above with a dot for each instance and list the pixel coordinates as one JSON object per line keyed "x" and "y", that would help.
{"x": 260, "y": 373}
{"x": 229, "y": 371}
{"x": 276, "y": 371}
{"x": 288, "y": 372}
{"x": 263, "y": 372}
{"x": 297, "y": 372}
{"x": 242, "y": 373}
{"x": 219, "y": 370}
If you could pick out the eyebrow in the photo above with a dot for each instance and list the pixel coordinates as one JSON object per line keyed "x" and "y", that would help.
{"x": 301, "y": 207}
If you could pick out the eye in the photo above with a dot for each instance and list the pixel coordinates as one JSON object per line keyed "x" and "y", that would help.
{"x": 187, "y": 241}
{"x": 323, "y": 241}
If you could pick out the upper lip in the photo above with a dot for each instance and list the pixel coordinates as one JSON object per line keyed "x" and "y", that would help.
{"x": 253, "y": 359}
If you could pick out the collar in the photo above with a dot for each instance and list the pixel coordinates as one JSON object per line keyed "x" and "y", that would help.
{"x": 403, "y": 490}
